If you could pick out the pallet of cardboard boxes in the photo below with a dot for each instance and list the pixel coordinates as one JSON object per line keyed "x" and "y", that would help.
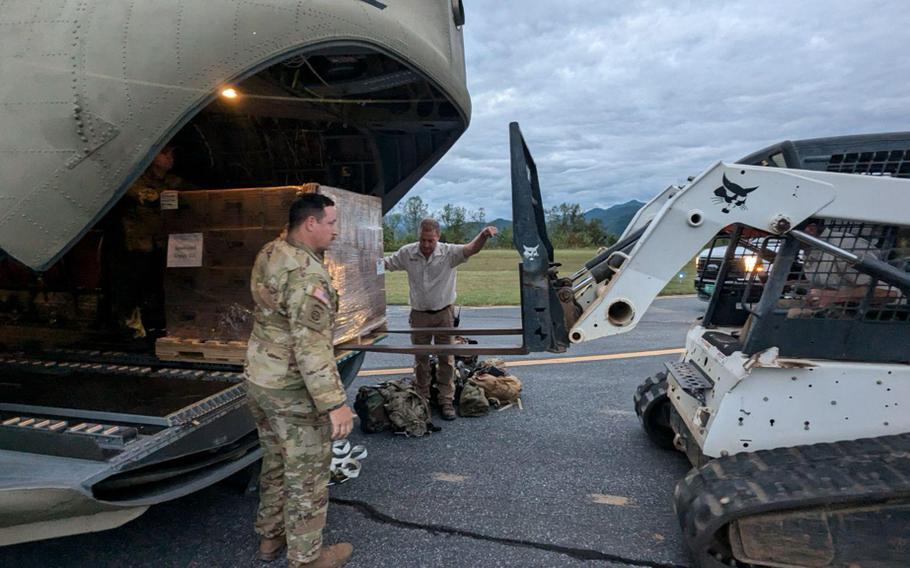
{"x": 214, "y": 237}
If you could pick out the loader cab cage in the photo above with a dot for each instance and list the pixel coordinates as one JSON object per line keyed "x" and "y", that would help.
{"x": 735, "y": 267}
{"x": 815, "y": 305}
{"x": 811, "y": 304}
{"x": 867, "y": 154}
{"x": 847, "y": 326}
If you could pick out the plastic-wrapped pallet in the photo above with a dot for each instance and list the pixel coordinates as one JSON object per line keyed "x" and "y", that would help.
{"x": 355, "y": 263}
{"x": 207, "y": 282}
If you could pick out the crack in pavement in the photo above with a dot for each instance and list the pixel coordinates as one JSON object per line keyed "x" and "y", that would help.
{"x": 577, "y": 553}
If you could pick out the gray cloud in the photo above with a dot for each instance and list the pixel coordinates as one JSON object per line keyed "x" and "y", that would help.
{"x": 618, "y": 100}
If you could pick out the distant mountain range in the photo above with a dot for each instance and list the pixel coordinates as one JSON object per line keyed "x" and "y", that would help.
{"x": 474, "y": 228}
{"x": 614, "y": 219}
{"x": 617, "y": 217}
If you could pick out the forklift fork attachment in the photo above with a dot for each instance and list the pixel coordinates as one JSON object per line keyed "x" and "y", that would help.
{"x": 458, "y": 331}
{"x": 543, "y": 321}
{"x": 461, "y": 350}
{"x": 452, "y": 349}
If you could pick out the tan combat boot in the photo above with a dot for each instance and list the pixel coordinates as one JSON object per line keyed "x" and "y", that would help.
{"x": 447, "y": 411}
{"x": 330, "y": 556}
{"x": 271, "y": 548}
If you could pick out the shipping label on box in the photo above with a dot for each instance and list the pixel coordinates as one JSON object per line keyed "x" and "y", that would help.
{"x": 169, "y": 200}
{"x": 184, "y": 250}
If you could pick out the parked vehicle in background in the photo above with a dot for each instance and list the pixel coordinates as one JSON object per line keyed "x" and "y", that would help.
{"x": 748, "y": 261}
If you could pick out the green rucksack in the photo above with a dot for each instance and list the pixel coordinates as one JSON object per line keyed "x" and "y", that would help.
{"x": 370, "y": 407}
{"x": 407, "y": 411}
{"x": 473, "y": 401}
{"x": 395, "y": 406}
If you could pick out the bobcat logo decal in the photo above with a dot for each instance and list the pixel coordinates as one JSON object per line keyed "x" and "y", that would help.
{"x": 730, "y": 196}
{"x": 530, "y": 253}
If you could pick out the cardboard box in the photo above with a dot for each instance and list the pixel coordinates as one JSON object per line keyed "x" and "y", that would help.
{"x": 213, "y": 301}
{"x": 192, "y": 212}
{"x": 235, "y": 248}
{"x": 276, "y": 203}
{"x": 188, "y": 320}
{"x": 235, "y": 209}
{"x": 232, "y": 284}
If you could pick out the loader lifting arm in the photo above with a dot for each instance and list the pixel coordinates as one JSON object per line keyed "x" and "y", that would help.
{"x": 617, "y": 287}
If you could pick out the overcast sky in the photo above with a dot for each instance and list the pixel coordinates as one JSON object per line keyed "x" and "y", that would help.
{"x": 619, "y": 99}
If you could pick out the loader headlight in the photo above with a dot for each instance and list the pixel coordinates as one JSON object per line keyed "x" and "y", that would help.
{"x": 752, "y": 263}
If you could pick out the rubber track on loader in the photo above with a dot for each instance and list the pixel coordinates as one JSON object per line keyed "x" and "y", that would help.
{"x": 738, "y": 486}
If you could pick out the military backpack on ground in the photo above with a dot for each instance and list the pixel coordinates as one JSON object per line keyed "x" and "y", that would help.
{"x": 473, "y": 401}
{"x": 500, "y": 390}
{"x": 370, "y": 407}
{"x": 498, "y": 385}
{"x": 408, "y": 411}
{"x": 392, "y": 405}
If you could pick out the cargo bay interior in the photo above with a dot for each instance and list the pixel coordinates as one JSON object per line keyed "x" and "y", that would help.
{"x": 349, "y": 118}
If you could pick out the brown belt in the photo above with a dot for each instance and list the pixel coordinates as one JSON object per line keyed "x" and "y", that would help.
{"x": 434, "y": 312}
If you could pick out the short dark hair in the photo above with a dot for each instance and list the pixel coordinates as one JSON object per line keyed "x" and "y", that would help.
{"x": 307, "y": 205}
{"x": 429, "y": 224}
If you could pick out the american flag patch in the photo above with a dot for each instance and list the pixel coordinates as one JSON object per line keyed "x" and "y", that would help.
{"x": 320, "y": 295}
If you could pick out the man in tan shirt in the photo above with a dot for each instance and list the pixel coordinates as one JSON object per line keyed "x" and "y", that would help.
{"x": 431, "y": 279}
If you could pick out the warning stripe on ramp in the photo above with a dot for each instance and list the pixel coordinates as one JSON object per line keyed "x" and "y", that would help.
{"x": 551, "y": 361}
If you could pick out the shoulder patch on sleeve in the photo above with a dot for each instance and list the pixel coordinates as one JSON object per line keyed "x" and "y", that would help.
{"x": 316, "y": 310}
{"x": 320, "y": 294}
{"x": 316, "y": 315}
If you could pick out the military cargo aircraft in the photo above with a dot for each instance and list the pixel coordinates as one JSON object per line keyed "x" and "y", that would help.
{"x": 364, "y": 95}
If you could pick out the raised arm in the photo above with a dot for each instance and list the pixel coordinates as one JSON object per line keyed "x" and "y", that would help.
{"x": 479, "y": 241}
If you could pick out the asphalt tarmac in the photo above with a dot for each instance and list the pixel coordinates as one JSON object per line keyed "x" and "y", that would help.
{"x": 570, "y": 480}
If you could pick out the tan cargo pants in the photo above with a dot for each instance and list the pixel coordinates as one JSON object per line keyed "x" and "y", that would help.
{"x": 445, "y": 371}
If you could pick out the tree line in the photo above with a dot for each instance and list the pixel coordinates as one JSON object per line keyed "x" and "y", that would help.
{"x": 566, "y": 226}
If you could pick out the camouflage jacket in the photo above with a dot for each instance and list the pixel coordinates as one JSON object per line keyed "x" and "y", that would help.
{"x": 291, "y": 343}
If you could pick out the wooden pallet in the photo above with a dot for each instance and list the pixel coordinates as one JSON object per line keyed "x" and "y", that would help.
{"x": 234, "y": 352}
{"x": 365, "y": 334}
{"x": 199, "y": 351}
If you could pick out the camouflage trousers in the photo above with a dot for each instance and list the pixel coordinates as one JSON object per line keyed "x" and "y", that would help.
{"x": 445, "y": 371}
{"x": 297, "y": 454}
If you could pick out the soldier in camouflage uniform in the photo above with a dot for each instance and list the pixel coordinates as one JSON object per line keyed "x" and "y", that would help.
{"x": 294, "y": 390}
{"x": 135, "y": 255}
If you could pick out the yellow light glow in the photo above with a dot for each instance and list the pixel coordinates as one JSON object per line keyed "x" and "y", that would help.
{"x": 752, "y": 263}
{"x": 229, "y": 93}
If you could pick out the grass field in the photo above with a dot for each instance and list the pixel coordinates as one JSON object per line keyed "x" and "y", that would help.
{"x": 491, "y": 278}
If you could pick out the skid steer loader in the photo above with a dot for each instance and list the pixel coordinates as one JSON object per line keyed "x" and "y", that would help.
{"x": 791, "y": 399}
